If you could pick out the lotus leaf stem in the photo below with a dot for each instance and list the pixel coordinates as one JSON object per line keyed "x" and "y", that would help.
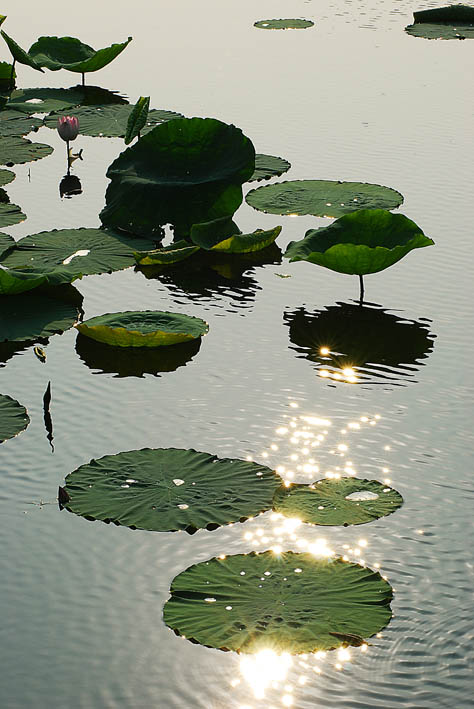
{"x": 361, "y": 291}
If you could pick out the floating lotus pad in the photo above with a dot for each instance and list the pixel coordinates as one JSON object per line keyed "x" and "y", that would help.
{"x": 78, "y": 251}
{"x": 19, "y": 54}
{"x": 291, "y": 24}
{"x": 13, "y": 418}
{"x": 110, "y": 120}
{"x": 173, "y": 253}
{"x": 13, "y": 123}
{"x": 15, "y": 280}
{"x": 145, "y": 328}
{"x": 10, "y": 214}
{"x": 366, "y": 241}
{"x": 70, "y": 53}
{"x": 322, "y": 198}
{"x": 286, "y": 602}
{"x": 224, "y": 236}
{"x": 451, "y": 22}
{"x": 6, "y": 176}
{"x": 169, "y": 489}
{"x": 342, "y": 501}
{"x": 182, "y": 172}
{"x": 7, "y": 242}
{"x": 44, "y": 100}
{"x": 268, "y": 166}
{"x": 360, "y": 344}
{"x": 15, "y": 150}
{"x": 32, "y": 317}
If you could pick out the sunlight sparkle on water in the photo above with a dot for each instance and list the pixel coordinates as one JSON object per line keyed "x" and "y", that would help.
{"x": 264, "y": 668}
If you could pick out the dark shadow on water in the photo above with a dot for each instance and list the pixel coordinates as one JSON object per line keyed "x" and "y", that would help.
{"x": 134, "y": 361}
{"x": 97, "y": 96}
{"x": 360, "y": 344}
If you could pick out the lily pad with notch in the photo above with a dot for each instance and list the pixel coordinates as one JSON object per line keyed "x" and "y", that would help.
{"x": 337, "y": 502}
{"x": 70, "y": 53}
{"x": 13, "y": 418}
{"x": 286, "y": 24}
{"x": 268, "y": 166}
{"x": 143, "y": 328}
{"x": 170, "y": 489}
{"x": 451, "y": 22}
{"x": 289, "y": 602}
{"x": 15, "y": 150}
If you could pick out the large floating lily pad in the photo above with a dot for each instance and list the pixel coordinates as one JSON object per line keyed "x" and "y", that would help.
{"x": 224, "y": 236}
{"x": 34, "y": 316}
{"x": 15, "y": 150}
{"x": 43, "y": 100}
{"x": 289, "y": 24}
{"x": 13, "y": 123}
{"x": 13, "y": 418}
{"x": 268, "y": 166}
{"x": 144, "y": 328}
{"x": 322, "y": 198}
{"x": 6, "y": 176}
{"x": 451, "y": 22}
{"x": 182, "y": 172}
{"x": 360, "y": 344}
{"x": 110, "y": 120}
{"x": 342, "y": 501}
{"x": 79, "y": 251}
{"x": 169, "y": 489}
{"x": 173, "y": 253}
{"x": 363, "y": 242}
{"x": 282, "y": 602}
{"x": 70, "y": 53}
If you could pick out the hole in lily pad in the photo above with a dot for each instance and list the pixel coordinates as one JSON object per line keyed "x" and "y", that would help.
{"x": 288, "y": 24}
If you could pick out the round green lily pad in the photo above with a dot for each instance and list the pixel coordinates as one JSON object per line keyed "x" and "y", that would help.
{"x": 14, "y": 123}
{"x": 285, "y": 602}
{"x": 13, "y": 418}
{"x": 290, "y": 24}
{"x": 451, "y": 22}
{"x": 44, "y": 100}
{"x": 170, "y": 489}
{"x": 78, "y": 251}
{"x": 342, "y": 501}
{"x": 10, "y": 214}
{"x": 110, "y": 120}
{"x": 6, "y": 176}
{"x": 322, "y": 198}
{"x": 268, "y": 166}
{"x": 15, "y": 150}
{"x": 145, "y": 328}
{"x": 31, "y": 317}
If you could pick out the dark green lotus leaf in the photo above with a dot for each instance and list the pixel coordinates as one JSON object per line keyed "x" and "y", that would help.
{"x": 366, "y": 241}
{"x": 15, "y": 150}
{"x": 173, "y": 253}
{"x": 145, "y": 328}
{"x": 322, "y": 198}
{"x": 97, "y": 96}
{"x": 13, "y": 418}
{"x": 336, "y": 502}
{"x": 137, "y": 119}
{"x": 182, "y": 172}
{"x": 110, "y": 120}
{"x": 7, "y": 242}
{"x": 10, "y": 214}
{"x": 285, "y": 602}
{"x": 7, "y": 77}
{"x": 76, "y": 251}
{"x": 41, "y": 100}
{"x": 13, "y": 123}
{"x": 268, "y": 166}
{"x": 169, "y": 489}
{"x": 360, "y": 344}
{"x": 224, "y": 236}
{"x": 70, "y": 53}
{"x": 6, "y": 176}
{"x": 290, "y": 24}
{"x": 13, "y": 281}
{"x": 2, "y": 19}
{"x": 19, "y": 54}
{"x": 29, "y": 317}
{"x": 451, "y": 22}
{"x": 134, "y": 361}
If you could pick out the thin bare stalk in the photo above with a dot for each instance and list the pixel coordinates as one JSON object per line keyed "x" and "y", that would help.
{"x": 361, "y": 290}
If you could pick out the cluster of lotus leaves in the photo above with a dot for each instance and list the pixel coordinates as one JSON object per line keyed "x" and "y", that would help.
{"x": 451, "y": 22}
{"x": 289, "y": 602}
{"x": 70, "y": 53}
{"x": 183, "y": 172}
{"x": 366, "y": 241}
{"x": 13, "y": 418}
{"x": 145, "y": 328}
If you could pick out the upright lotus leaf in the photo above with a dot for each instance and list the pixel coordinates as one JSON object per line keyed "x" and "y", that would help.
{"x": 7, "y": 76}
{"x": 6, "y": 176}
{"x": 342, "y": 501}
{"x": 182, "y": 172}
{"x": 288, "y": 24}
{"x": 7, "y": 242}
{"x": 137, "y": 119}
{"x": 29, "y": 317}
{"x": 76, "y": 251}
{"x": 322, "y": 198}
{"x": 110, "y": 120}
{"x": 145, "y": 328}
{"x": 366, "y": 241}
{"x": 43, "y": 100}
{"x": 289, "y": 602}
{"x": 168, "y": 489}
{"x": 19, "y": 55}
{"x": 268, "y": 166}
{"x": 15, "y": 150}
{"x": 10, "y": 213}
{"x": 70, "y": 53}
{"x": 224, "y": 236}
{"x": 173, "y": 253}
{"x": 360, "y": 344}
{"x": 13, "y": 123}
{"x": 13, "y": 418}
{"x": 451, "y": 22}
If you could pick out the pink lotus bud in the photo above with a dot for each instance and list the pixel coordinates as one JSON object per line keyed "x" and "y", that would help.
{"x": 68, "y": 127}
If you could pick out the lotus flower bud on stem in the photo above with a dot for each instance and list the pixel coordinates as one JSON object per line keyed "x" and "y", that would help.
{"x": 68, "y": 129}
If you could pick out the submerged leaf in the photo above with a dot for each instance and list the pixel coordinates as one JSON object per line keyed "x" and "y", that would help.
{"x": 289, "y": 24}
{"x": 168, "y": 489}
{"x": 13, "y": 418}
{"x": 70, "y": 53}
{"x": 285, "y": 602}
